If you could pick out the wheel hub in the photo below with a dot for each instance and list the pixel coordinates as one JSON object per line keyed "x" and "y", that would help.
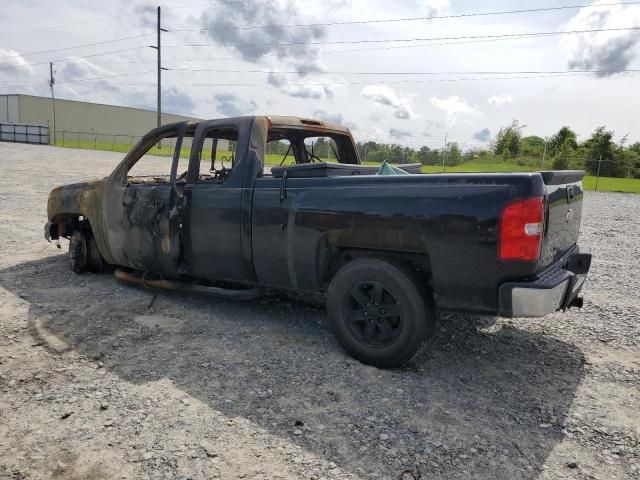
{"x": 373, "y": 315}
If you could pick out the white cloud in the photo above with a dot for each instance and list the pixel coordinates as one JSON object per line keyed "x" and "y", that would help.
{"x": 434, "y": 7}
{"x": 613, "y": 50}
{"x": 231, "y": 105}
{"x": 384, "y": 95}
{"x": 309, "y": 90}
{"x": 336, "y": 118}
{"x": 453, "y": 105}
{"x": 76, "y": 71}
{"x": 176, "y": 100}
{"x": 79, "y": 68}
{"x": 399, "y": 133}
{"x": 500, "y": 99}
{"x": 483, "y": 135}
{"x": 12, "y": 62}
{"x": 226, "y": 27}
{"x": 81, "y": 79}
{"x": 316, "y": 88}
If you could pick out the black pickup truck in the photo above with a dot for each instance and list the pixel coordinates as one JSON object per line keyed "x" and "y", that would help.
{"x": 385, "y": 250}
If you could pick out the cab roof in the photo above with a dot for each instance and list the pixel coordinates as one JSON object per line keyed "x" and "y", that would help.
{"x": 283, "y": 121}
{"x": 305, "y": 123}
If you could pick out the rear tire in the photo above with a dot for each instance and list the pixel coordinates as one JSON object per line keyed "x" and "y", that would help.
{"x": 84, "y": 254}
{"x": 378, "y": 312}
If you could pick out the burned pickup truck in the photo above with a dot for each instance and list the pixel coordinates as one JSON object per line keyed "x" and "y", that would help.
{"x": 386, "y": 251}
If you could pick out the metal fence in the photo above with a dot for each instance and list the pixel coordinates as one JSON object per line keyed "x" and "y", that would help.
{"x": 24, "y": 133}
{"x": 95, "y": 140}
{"x": 112, "y": 142}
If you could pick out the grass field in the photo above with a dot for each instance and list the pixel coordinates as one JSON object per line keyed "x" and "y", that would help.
{"x": 608, "y": 184}
{"x": 479, "y": 167}
{"x": 605, "y": 184}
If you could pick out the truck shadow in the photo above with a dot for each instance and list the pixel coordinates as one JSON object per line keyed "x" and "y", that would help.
{"x": 482, "y": 401}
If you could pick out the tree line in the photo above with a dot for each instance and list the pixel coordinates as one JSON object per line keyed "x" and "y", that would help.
{"x": 561, "y": 151}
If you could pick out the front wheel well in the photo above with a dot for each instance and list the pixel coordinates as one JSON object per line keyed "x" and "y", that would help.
{"x": 68, "y": 223}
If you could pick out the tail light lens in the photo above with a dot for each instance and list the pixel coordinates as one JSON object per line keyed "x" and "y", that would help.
{"x": 521, "y": 229}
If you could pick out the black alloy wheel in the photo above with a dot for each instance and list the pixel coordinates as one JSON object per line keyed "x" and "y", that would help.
{"x": 373, "y": 315}
{"x": 380, "y": 311}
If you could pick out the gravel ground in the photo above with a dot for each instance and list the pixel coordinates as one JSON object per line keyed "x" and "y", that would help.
{"x": 98, "y": 384}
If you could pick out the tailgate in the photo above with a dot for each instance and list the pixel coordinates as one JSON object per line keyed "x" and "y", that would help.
{"x": 564, "y": 209}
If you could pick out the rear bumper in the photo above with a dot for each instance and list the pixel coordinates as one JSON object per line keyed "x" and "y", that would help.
{"x": 556, "y": 288}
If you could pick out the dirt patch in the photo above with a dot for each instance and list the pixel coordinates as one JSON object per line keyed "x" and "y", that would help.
{"x": 161, "y": 322}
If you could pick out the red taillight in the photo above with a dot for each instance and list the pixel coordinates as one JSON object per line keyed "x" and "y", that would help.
{"x": 521, "y": 225}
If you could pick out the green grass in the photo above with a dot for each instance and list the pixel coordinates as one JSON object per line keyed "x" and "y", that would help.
{"x": 165, "y": 150}
{"x": 478, "y": 167}
{"x": 605, "y": 184}
{"x": 609, "y": 184}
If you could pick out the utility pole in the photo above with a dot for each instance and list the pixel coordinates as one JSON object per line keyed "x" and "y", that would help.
{"x": 159, "y": 73}
{"x": 444, "y": 153}
{"x": 598, "y": 177}
{"x": 544, "y": 153}
{"x": 160, "y": 68}
{"x": 52, "y": 82}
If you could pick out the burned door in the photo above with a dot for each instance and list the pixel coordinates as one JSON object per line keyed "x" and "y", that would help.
{"x": 217, "y": 202}
{"x": 142, "y": 221}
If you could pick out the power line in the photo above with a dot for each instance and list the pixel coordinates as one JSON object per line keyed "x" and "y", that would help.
{"x": 206, "y": 4}
{"x": 567, "y": 74}
{"x": 68, "y": 25}
{"x": 215, "y": 59}
{"x": 324, "y": 52}
{"x": 377, "y": 49}
{"x": 106, "y": 77}
{"x": 91, "y": 79}
{"x": 385, "y": 82}
{"x": 77, "y": 46}
{"x": 409, "y": 19}
{"x": 407, "y": 40}
{"x": 71, "y": 59}
{"x": 116, "y": 17}
{"x": 524, "y": 72}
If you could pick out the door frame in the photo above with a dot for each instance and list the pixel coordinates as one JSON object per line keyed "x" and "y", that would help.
{"x": 249, "y": 154}
{"x": 153, "y": 255}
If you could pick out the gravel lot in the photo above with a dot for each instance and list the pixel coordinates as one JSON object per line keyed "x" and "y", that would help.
{"x": 98, "y": 384}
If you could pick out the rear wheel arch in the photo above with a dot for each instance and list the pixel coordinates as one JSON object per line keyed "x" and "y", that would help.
{"x": 419, "y": 263}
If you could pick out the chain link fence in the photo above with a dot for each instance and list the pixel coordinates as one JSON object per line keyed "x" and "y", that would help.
{"x": 115, "y": 142}
{"x": 96, "y": 141}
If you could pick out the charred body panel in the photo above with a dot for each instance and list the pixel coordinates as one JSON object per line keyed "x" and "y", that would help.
{"x": 141, "y": 221}
{"x": 69, "y": 204}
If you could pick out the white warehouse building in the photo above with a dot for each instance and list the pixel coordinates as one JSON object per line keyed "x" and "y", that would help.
{"x": 76, "y": 120}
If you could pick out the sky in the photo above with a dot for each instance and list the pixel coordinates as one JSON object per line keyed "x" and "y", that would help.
{"x": 233, "y": 57}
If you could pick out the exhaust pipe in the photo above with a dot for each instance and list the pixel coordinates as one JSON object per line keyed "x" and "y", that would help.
{"x": 216, "y": 292}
